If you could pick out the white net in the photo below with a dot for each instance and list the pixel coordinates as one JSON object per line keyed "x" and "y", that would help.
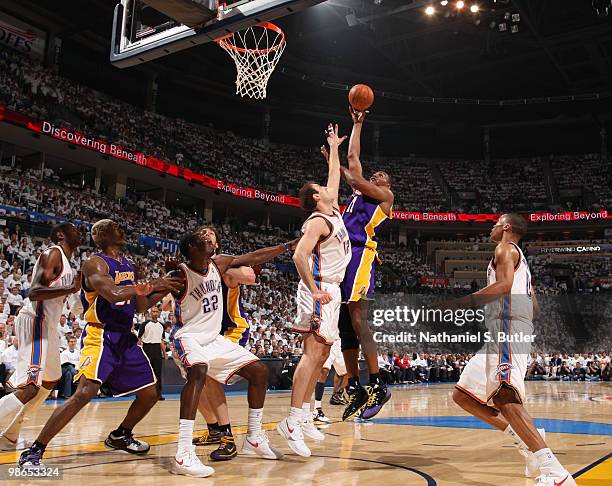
{"x": 256, "y": 52}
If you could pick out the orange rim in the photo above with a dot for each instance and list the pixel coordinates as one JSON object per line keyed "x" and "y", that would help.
{"x": 266, "y": 25}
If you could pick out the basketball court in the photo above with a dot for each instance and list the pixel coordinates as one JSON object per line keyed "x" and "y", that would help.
{"x": 420, "y": 438}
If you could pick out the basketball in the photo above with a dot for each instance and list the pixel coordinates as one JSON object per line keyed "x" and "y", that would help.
{"x": 361, "y": 97}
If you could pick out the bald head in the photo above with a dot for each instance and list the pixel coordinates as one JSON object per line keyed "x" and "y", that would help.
{"x": 518, "y": 223}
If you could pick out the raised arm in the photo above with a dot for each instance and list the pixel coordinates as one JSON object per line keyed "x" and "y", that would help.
{"x": 49, "y": 267}
{"x": 257, "y": 257}
{"x": 333, "y": 174}
{"x": 354, "y": 150}
{"x": 316, "y": 229}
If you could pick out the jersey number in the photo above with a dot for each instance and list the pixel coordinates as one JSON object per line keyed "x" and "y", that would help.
{"x": 349, "y": 208}
{"x": 212, "y": 304}
{"x": 122, "y": 303}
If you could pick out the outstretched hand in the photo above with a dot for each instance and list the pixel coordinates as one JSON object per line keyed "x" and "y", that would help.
{"x": 333, "y": 139}
{"x": 357, "y": 116}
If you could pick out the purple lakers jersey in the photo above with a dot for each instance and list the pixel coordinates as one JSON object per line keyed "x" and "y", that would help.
{"x": 363, "y": 218}
{"x": 96, "y": 309}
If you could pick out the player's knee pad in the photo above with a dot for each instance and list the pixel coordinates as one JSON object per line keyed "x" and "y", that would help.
{"x": 348, "y": 336}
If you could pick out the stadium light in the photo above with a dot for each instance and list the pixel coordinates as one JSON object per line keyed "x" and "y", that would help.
{"x": 430, "y": 10}
{"x": 444, "y": 3}
{"x": 460, "y": 4}
{"x": 474, "y": 8}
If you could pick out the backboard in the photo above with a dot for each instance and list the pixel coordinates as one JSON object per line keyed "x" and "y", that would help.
{"x": 141, "y": 34}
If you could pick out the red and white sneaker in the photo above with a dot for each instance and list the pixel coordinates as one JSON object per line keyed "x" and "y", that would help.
{"x": 294, "y": 436}
{"x": 565, "y": 479}
{"x": 188, "y": 464}
{"x": 309, "y": 429}
{"x": 259, "y": 445}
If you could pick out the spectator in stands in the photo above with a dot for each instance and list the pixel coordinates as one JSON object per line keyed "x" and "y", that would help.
{"x": 8, "y": 361}
{"x": 70, "y": 361}
{"x": 15, "y": 300}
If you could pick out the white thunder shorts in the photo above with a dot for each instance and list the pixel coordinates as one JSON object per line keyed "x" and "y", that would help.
{"x": 336, "y": 359}
{"x": 313, "y": 317}
{"x": 498, "y": 364}
{"x": 38, "y": 355}
{"x": 223, "y": 357}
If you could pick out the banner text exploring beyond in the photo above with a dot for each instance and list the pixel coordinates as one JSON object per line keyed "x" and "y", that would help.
{"x": 104, "y": 147}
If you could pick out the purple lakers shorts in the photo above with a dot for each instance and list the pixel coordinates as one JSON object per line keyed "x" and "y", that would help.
{"x": 114, "y": 358}
{"x": 358, "y": 280}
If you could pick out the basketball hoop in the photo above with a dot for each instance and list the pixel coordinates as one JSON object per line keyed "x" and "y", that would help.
{"x": 256, "y": 52}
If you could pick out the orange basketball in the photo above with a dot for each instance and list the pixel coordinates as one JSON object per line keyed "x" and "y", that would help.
{"x": 361, "y": 97}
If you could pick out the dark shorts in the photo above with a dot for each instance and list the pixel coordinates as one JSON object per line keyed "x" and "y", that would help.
{"x": 114, "y": 358}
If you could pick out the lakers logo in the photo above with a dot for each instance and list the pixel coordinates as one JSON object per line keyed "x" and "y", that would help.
{"x": 85, "y": 362}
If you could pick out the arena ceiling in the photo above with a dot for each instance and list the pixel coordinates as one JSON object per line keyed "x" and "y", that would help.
{"x": 562, "y": 48}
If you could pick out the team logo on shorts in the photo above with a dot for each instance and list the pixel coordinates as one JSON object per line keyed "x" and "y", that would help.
{"x": 362, "y": 290}
{"x": 504, "y": 368}
{"x": 86, "y": 362}
{"x": 34, "y": 370}
{"x": 315, "y": 322}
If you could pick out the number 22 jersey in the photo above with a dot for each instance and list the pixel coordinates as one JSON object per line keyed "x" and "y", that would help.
{"x": 200, "y": 309}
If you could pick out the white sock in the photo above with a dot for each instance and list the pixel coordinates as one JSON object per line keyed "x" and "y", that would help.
{"x": 12, "y": 431}
{"x": 518, "y": 442}
{"x": 255, "y": 419}
{"x": 295, "y": 416}
{"x": 9, "y": 405}
{"x": 317, "y": 403}
{"x": 185, "y": 435}
{"x": 306, "y": 410}
{"x": 548, "y": 463}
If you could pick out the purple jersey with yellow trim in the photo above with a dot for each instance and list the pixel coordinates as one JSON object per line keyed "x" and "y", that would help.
{"x": 98, "y": 310}
{"x": 234, "y": 325}
{"x": 363, "y": 218}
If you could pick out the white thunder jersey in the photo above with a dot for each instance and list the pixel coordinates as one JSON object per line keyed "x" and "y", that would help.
{"x": 330, "y": 256}
{"x": 200, "y": 311}
{"x": 51, "y": 309}
{"x": 519, "y": 303}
